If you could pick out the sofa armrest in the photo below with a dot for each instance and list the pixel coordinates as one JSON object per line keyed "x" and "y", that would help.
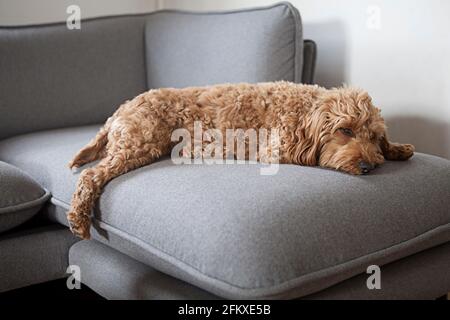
{"x": 309, "y": 61}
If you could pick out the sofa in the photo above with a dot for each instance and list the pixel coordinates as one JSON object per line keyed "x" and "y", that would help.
{"x": 169, "y": 231}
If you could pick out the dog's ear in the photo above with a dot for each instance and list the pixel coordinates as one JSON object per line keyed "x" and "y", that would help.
{"x": 309, "y": 138}
{"x": 395, "y": 151}
{"x": 306, "y": 153}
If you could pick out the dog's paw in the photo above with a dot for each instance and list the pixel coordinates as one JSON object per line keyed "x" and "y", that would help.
{"x": 409, "y": 149}
{"x": 79, "y": 225}
{"x": 399, "y": 151}
{"x": 73, "y": 165}
{"x": 403, "y": 151}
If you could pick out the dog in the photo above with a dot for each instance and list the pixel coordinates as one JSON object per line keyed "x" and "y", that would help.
{"x": 336, "y": 128}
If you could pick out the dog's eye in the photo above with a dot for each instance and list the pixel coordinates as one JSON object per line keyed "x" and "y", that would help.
{"x": 373, "y": 137}
{"x": 347, "y": 132}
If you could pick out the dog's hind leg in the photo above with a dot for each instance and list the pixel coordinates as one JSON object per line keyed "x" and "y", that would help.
{"x": 92, "y": 180}
{"x": 94, "y": 150}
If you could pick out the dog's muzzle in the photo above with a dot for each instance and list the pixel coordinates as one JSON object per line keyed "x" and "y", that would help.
{"x": 366, "y": 167}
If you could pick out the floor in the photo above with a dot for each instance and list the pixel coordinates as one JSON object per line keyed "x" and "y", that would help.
{"x": 56, "y": 290}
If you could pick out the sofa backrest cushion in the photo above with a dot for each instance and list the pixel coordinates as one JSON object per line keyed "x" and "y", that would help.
{"x": 52, "y": 77}
{"x": 249, "y": 45}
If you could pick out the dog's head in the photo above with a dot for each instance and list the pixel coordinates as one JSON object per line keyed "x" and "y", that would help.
{"x": 349, "y": 134}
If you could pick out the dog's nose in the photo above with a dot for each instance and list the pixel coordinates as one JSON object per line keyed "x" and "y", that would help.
{"x": 365, "y": 167}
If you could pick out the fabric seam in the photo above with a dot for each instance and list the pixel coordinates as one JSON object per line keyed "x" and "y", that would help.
{"x": 27, "y": 204}
{"x": 145, "y": 14}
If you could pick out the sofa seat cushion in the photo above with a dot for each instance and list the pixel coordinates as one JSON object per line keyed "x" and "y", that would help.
{"x": 238, "y": 234}
{"x": 34, "y": 255}
{"x": 20, "y": 196}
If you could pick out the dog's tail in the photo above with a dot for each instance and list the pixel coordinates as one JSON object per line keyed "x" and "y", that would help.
{"x": 94, "y": 150}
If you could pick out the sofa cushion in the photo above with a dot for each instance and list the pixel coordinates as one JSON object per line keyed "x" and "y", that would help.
{"x": 421, "y": 276}
{"x": 249, "y": 45}
{"x": 137, "y": 281}
{"x": 21, "y": 197}
{"x": 34, "y": 255}
{"x": 237, "y": 234}
{"x": 55, "y": 77}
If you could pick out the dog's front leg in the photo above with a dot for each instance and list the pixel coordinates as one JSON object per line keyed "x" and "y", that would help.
{"x": 395, "y": 151}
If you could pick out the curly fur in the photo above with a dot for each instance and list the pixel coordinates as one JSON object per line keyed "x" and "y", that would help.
{"x": 309, "y": 120}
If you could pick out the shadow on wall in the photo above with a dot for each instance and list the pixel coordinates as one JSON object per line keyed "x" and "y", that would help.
{"x": 332, "y": 44}
{"x": 428, "y": 136}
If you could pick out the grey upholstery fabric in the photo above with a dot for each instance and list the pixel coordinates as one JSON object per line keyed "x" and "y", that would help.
{"x": 52, "y": 77}
{"x": 421, "y": 276}
{"x": 34, "y": 256}
{"x": 55, "y": 77}
{"x": 309, "y": 61}
{"x": 238, "y": 234}
{"x": 20, "y": 197}
{"x": 250, "y": 45}
{"x": 116, "y": 276}
{"x": 43, "y": 152}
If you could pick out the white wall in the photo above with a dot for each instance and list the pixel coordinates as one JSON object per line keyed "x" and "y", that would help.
{"x": 16, "y": 12}
{"x": 405, "y": 64}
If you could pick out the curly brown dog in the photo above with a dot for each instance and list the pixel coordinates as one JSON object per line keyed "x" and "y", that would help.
{"x": 337, "y": 128}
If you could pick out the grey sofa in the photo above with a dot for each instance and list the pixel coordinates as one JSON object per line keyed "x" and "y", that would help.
{"x": 169, "y": 231}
